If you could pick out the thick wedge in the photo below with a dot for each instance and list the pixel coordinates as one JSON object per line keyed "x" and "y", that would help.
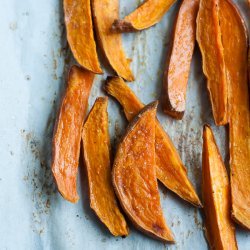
{"x": 134, "y": 176}
{"x": 169, "y": 167}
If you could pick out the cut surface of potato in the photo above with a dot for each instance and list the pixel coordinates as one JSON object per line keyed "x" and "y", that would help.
{"x": 175, "y": 78}
{"x": 80, "y": 35}
{"x": 105, "y": 12}
{"x": 67, "y": 132}
{"x": 96, "y": 151}
{"x": 134, "y": 176}
{"x": 234, "y": 39}
{"x": 145, "y": 16}
{"x": 169, "y": 168}
{"x": 208, "y": 35}
{"x": 220, "y": 230}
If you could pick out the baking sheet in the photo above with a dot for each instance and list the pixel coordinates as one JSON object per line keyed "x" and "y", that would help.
{"x": 34, "y": 62}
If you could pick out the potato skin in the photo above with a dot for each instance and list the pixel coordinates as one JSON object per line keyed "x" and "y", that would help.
{"x": 178, "y": 64}
{"x": 96, "y": 151}
{"x": 67, "y": 132}
{"x": 169, "y": 168}
{"x": 235, "y": 55}
{"x": 134, "y": 176}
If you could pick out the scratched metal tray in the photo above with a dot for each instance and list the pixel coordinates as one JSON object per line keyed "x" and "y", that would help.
{"x": 34, "y": 62}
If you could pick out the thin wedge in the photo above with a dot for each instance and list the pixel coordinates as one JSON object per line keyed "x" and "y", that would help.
{"x": 179, "y": 60}
{"x": 67, "y": 132}
{"x": 96, "y": 151}
{"x": 105, "y": 12}
{"x": 80, "y": 35}
{"x": 220, "y": 230}
{"x": 209, "y": 39}
{"x": 145, "y": 16}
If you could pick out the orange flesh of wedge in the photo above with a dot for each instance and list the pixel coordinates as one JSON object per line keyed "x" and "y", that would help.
{"x": 134, "y": 176}
{"x": 96, "y": 150}
{"x": 67, "y": 132}
{"x": 169, "y": 167}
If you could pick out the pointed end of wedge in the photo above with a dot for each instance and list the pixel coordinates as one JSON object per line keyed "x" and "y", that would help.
{"x": 153, "y": 105}
{"x": 65, "y": 188}
{"x": 206, "y": 130}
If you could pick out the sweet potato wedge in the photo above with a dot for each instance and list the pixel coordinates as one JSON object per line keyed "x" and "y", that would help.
{"x": 209, "y": 39}
{"x": 80, "y": 35}
{"x": 169, "y": 167}
{"x": 175, "y": 77}
{"x": 134, "y": 176}
{"x": 67, "y": 132}
{"x": 105, "y": 12}
{"x": 96, "y": 151}
{"x": 234, "y": 39}
{"x": 220, "y": 230}
{"x": 145, "y": 16}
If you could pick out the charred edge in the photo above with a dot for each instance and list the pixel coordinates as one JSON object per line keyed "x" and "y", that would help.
{"x": 122, "y": 26}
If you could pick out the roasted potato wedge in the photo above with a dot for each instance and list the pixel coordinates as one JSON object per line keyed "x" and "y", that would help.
{"x": 220, "y": 230}
{"x": 145, "y": 16}
{"x": 134, "y": 176}
{"x": 209, "y": 39}
{"x": 105, "y": 12}
{"x": 235, "y": 43}
{"x": 67, "y": 132}
{"x": 175, "y": 77}
{"x": 169, "y": 167}
{"x": 96, "y": 151}
{"x": 80, "y": 35}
